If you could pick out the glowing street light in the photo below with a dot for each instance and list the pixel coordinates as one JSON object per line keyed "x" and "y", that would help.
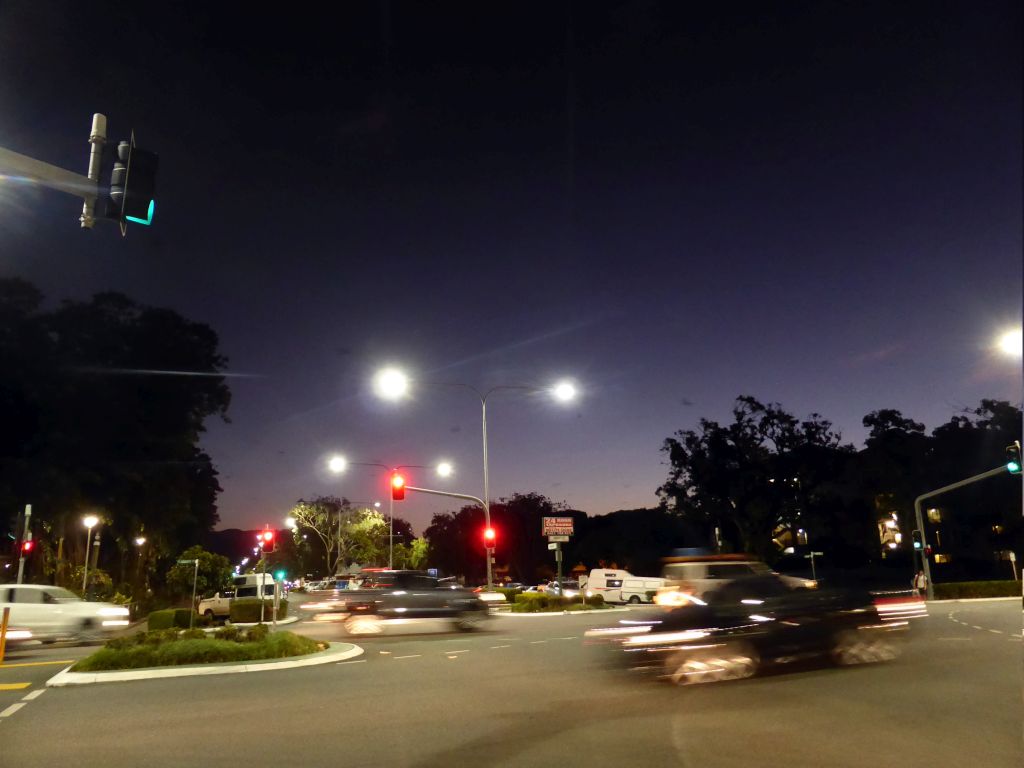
{"x": 140, "y": 540}
{"x": 391, "y": 384}
{"x": 337, "y": 464}
{"x": 1010, "y": 342}
{"x": 289, "y": 522}
{"x": 564, "y": 391}
{"x": 445, "y": 469}
{"x": 90, "y": 522}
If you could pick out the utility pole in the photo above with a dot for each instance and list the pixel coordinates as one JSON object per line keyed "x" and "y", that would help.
{"x": 27, "y": 536}
{"x": 54, "y": 177}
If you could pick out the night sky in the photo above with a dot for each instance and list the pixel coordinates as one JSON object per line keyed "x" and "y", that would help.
{"x": 673, "y": 205}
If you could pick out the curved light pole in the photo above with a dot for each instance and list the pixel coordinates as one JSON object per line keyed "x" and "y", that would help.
{"x": 338, "y": 464}
{"x": 563, "y": 391}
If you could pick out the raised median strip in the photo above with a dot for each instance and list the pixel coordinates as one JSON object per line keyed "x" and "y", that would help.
{"x": 337, "y": 652}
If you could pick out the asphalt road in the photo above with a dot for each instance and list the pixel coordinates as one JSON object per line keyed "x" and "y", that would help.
{"x": 526, "y": 692}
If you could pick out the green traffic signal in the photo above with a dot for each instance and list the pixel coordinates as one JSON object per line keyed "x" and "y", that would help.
{"x": 1013, "y": 458}
{"x": 279, "y": 575}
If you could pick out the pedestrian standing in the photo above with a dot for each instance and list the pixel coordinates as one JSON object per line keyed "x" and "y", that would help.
{"x": 920, "y": 584}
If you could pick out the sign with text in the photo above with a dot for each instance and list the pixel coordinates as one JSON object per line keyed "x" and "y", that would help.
{"x": 556, "y": 526}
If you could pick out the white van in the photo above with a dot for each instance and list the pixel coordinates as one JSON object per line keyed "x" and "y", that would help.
{"x": 248, "y": 585}
{"x": 639, "y": 589}
{"x": 606, "y": 583}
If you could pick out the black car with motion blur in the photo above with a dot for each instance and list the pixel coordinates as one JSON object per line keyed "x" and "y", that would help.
{"x": 751, "y": 623}
{"x": 409, "y": 595}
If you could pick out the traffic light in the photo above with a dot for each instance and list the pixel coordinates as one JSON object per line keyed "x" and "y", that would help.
{"x": 27, "y": 547}
{"x": 397, "y": 487}
{"x": 266, "y": 540}
{"x": 917, "y": 540}
{"x": 279, "y": 575}
{"x": 133, "y": 185}
{"x": 490, "y": 537}
{"x": 1013, "y": 458}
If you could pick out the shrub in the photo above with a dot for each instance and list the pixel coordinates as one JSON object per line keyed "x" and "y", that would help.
{"x": 161, "y": 619}
{"x": 967, "y": 589}
{"x": 529, "y": 602}
{"x": 166, "y": 648}
{"x": 193, "y": 634}
{"x": 257, "y": 634}
{"x": 510, "y": 594}
{"x": 182, "y": 616}
{"x": 596, "y": 601}
{"x": 228, "y": 632}
{"x": 247, "y": 610}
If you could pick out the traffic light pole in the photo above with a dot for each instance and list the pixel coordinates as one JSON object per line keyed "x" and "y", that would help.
{"x": 1000, "y": 470}
{"x": 467, "y": 497}
{"x": 54, "y": 177}
{"x": 21, "y": 545}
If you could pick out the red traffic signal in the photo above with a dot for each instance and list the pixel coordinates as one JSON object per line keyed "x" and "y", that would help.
{"x": 489, "y": 538}
{"x": 397, "y": 487}
{"x": 27, "y": 546}
{"x": 266, "y": 540}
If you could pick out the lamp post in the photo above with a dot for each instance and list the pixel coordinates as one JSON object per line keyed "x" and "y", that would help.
{"x": 392, "y": 384}
{"x": 338, "y": 464}
{"x": 90, "y": 522}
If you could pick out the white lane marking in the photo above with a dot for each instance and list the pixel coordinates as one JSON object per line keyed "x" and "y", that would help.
{"x": 965, "y": 639}
{"x": 464, "y": 650}
{"x": 573, "y": 637}
{"x": 357, "y": 661}
{"x": 976, "y": 626}
{"x": 384, "y": 653}
{"x": 33, "y": 695}
{"x": 537, "y": 642}
{"x": 12, "y": 709}
{"x": 500, "y": 646}
{"x": 410, "y": 656}
{"x": 995, "y": 631}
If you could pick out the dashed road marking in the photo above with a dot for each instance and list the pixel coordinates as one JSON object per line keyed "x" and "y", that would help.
{"x": 537, "y": 642}
{"x": 494, "y": 647}
{"x": 33, "y": 695}
{"x": 410, "y": 656}
{"x": 463, "y": 650}
{"x": 384, "y": 653}
{"x": 995, "y": 631}
{"x": 12, "y": 709}
{"x": 572, "y": 637}
{"x": 357, "y": 661}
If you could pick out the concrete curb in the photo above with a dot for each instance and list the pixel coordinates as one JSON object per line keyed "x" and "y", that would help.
{"x": 288, "y": 620}
{"x": 336, "y": 652}
{"x": 972, "y": 600}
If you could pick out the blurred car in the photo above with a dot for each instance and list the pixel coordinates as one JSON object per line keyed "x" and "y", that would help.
{"x": 409, "y": 595}
{"x": 53, "y": 613}
{"x": 564, "y": 588}
{"x": 750, "y": 623}
{"x": 698, "y": 575}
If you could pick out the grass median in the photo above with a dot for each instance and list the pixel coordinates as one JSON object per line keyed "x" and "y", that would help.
{"x": 530, "y": 602}
{"x": 171, "y": 647}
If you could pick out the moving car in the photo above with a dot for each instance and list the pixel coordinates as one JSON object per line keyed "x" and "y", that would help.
{"x": 391, "y": 595}
{"x": 53, "y": 613}
{"x": 698, "y": 575}
{"x": 565, "y": 588}
{"x": 749, "y": 623}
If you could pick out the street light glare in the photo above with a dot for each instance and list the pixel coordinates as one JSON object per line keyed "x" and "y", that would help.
{"x": 140, "y": 541}
{"x": 90, "y": 521}
{"x": 289, "y": 522}
{"x": 564, "y": 391}
{"x": 1010, "y": 342}
{"x": 391, "y": 384}
{"x": 444, "y": 469}
{"x": 337, "y": 464}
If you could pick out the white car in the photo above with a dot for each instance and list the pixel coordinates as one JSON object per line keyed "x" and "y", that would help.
{"x": 54, "y": 613}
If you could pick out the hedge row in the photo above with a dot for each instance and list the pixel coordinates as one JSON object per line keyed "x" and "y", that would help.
{"x": 173, "y": 617}
{"x": 965, "y": 589}
{"x": 191, "y": 649}
{"x": 536, "y": 602}
{"x": 246, "y": 610}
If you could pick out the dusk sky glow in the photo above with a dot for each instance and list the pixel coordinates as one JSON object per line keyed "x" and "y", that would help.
{"x": 667, "y": 205}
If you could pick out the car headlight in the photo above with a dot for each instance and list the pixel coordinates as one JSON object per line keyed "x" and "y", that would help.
{"x": 114, "y": 610}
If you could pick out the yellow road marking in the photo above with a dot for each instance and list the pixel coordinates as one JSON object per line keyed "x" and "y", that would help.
{"x": 37, "y": 663}
{"x": 13, "y": 686}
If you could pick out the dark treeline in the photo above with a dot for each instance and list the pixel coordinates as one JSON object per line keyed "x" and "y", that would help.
{"x": 90, "y": 428}
{"x": 777, "y": 486}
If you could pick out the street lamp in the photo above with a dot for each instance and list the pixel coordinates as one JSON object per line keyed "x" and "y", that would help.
{"x": 140, "y": 540}
{"x": 1010, "y": 342}
{"x": 562, "y": 391}
{"x": 391, "y": 384}
{"x": 289, "y": 522}
{"x": 338, "y": 464}
{"x": 90, "y": 522}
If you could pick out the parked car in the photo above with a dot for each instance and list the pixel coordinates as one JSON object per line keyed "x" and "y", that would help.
{"x": 565, "y": 588}
{"x": 54, "y": 613}
{"x": 218, "y": 605}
